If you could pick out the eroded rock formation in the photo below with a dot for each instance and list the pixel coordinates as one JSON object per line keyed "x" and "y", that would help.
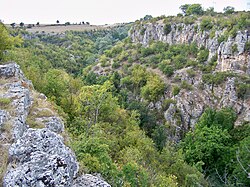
{"x": 190, "y": 104}
{"x": 37, "y": 155}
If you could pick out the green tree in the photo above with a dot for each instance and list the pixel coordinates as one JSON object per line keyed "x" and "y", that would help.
{"x": 153, "y": 89}
{"x": 95, "y": 102}
{"x": 241, "y": 171}
{"x": 56, "y": 85}
{"x": 6, "y": 41}
{"x": 195, "y": 9}
{"x": 184, "y": 8}
{"x": 207, "y": 145}
{"x": 228, "y": 10}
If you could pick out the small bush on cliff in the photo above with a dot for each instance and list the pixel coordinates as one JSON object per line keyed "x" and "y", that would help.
{"x": 203, "y": 55}
{"x": 176, "y": 90}
{"x": 206, "y": 24}
{"x": 167, "y": 29}
{"x": 4, "y": 102}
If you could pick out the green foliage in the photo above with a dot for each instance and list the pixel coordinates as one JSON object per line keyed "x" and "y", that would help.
{"x": 212, "y": 34}
{"x": 134, "y": 175}
{"x": 56, "y": 84}
{"x": 185, "y": 85}
{"x": 167, "y": 29}
{"x": 203, "y": 55}
{"x": 206, "y": 24}
{"x": 160, "y": 136}
{"x": 191, "y": 73}
{"x": 166, "y": 68}
{"x": 224, "y": 118}
{"x": 4, "y": 102}
{"x": 175, "y": 90}
{"x": 6, "y": 41}
{"x": 216, "y": 78}
{"x": 228, "y": 10}
{"x": 195, "y": 9}
{"x": 153, "y": 89}
{"x": 222, "y": 38}
{"x": 192, "y": 9}
{"x": 206, "y": 144}
{"x": 234, "y": 49}
{"x": 219, "y": 147}
{"x": 247, "y": 46}
{"x": 241, "y": 169}
{"x": 243, "y": 90}
{"x": 240, "y": 132}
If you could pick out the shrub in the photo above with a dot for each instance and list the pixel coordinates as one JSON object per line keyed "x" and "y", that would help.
{"x": 212, "y": 34}
{"x": 233, "y": 32}
{"x": 234, "y": 49}
{"x": 191, "y": 73}
{"x": 4, "y": 102}
{"x": 203, "y": 55}
{"x": 167, "y": 29}
{"x": 175, "y": 90}
{"x": 228, "y": 10}
{"x": 222, "y": 38}
{"x": 185, "y": 85}
{"x": 142, "y": 32}
{"x": 247, "y": 46}
{"x": 206, "y": 24}
{"x": 166, "y": 103}
{"x": 115, "y": 65}
{"x": 243, "y": 90}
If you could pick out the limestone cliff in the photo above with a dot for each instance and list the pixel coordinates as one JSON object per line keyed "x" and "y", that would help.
{"x": 232, "y": 57}
{"x": 31, "y": 138}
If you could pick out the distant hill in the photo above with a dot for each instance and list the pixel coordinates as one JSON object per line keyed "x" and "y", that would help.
{"x": 60, "y": 28}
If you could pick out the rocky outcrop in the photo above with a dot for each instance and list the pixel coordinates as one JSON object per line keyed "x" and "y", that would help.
{"x": 90, "y": 180}
{"x": 191, "y": 103}
{"x": 181, "y": 33}
{"x": 37, "y": 156}
{"x": 40, "y": 158}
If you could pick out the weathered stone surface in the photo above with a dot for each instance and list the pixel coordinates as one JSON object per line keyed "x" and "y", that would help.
{"x": 3, "y": 117}
{"x": 41, "y": 158}
{"x": 11, "y": 70}
{"x": 188, "y": 34}
{"x": 38, "y": 157}
{"x": 53, "y": 123}
{"x": 88, "y": 180}
{"x": 190, "y": 104}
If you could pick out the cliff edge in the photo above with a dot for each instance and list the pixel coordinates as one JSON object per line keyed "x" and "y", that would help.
{"x": 31, "y": 138}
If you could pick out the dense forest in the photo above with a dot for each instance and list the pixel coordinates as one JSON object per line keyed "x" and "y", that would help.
{"x": 106, "y": 87}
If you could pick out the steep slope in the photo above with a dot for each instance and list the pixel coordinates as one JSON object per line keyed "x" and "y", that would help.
{"x": 192, "y": 104}
{"x": 157, "y": 43}
{"x": 37, "y": 156}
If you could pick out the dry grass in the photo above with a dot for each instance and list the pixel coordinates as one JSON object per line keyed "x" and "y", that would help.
{"x": 3, "y": 162}
{"x": 62, "y": 28}
{"x": 40, "y": 108}
{"x": 5, "y": 103}
{"x": 5, "y": 140}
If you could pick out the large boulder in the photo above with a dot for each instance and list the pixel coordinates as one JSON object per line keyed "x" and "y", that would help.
{"x": 40, "y": 158}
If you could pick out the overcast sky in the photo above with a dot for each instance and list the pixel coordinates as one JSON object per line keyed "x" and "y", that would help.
{"x": 99, "y": 11}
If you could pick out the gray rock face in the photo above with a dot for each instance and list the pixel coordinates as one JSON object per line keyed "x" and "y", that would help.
{"x": 11, "y": 70}
{"x": 190, "y": 104}
{"x": 188, "y": 34}
{"x": 3, "y": 117}
{"x": 90, "y": 180}
{"x": 41, "y": 159}
{"x": 38, "y": 157}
